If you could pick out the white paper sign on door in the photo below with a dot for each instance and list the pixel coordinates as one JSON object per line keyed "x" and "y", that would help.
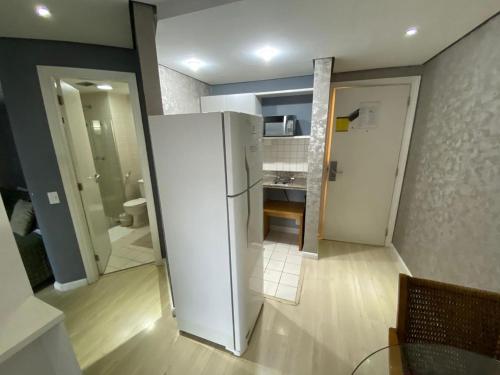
{"x": 368, "y": 116}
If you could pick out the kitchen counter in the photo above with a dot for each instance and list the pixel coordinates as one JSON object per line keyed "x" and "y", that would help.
{"x": 298, "y": 184}
{"x": 24, "y": 325}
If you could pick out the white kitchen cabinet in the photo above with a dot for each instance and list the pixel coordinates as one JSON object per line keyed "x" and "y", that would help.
{"x": 244, "y": 103}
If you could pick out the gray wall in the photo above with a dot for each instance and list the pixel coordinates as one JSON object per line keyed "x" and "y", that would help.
{"x": 11, "y": 174}
{"x": 448, "y": 224}
{"x": 398, "y": 71}
{"x": 32, "y": 136}
{"x": 291, "y": 83}
{"x": 298, "y": 105}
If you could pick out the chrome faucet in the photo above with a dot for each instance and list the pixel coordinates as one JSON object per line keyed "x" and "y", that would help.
{"x": 284, "y": 180}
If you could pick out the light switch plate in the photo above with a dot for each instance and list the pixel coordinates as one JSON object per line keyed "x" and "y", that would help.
{"x": 53, "y": 197}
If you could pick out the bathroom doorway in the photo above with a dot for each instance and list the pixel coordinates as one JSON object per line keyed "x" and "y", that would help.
{"x": 98, "y": 136}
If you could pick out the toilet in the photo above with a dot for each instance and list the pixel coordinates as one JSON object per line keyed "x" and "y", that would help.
{"x": 137, "y": 208}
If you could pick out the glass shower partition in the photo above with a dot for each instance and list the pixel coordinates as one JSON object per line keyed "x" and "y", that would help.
{"x": 107, "y": 164}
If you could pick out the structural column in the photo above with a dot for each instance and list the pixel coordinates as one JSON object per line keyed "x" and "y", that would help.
{"x": 321, "y": 100}
{"x": 144, "y": 22}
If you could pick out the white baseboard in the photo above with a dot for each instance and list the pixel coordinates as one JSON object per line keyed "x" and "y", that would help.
{"x": 307, "y": 254}
{"x": 396, "y": 252}
{"x": 64, "y": 287}
{"x": 281, "y": 228}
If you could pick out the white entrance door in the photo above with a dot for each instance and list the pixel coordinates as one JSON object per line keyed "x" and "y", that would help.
{"x": 88, "y": 179}
{"x": 358, "y": 202}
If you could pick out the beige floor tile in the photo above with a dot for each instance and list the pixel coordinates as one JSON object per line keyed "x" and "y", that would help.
{"x": 274, "y": 276}
{"x": 280, "y": 257}
{"x": 286, "y": 292}
{"x": 270, "y": 288}
{"x": 275, "y": 265}
{"x": 295, "y": 259}
{"x": 289, "y": 279}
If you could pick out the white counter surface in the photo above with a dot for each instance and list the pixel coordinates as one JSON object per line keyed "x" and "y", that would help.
{"x": 24, "y": 325}
{"x": 298, "y": 184}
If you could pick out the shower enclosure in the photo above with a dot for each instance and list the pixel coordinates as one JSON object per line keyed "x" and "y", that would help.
{"x": 107, "y": 165}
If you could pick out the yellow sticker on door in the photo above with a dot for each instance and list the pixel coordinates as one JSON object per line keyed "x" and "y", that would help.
{"x": 342, "y": 124}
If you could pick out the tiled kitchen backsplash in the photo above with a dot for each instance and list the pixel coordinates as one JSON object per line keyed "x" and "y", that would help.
{"x": 286, "y": 154}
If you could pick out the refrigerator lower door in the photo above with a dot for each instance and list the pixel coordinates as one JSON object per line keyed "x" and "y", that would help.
{"x": 246, "y": 266}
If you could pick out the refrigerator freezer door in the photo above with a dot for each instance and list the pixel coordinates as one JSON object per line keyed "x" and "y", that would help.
{"x": 243, "y": 142}
{"x": 245, "y": 233}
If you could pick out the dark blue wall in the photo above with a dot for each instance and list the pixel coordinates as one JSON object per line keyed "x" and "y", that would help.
{"x": 11, "y": 175}
{"x": 291, "y": 83}
{"x": 298, "y": 105}
{"x": 30, "y": 128}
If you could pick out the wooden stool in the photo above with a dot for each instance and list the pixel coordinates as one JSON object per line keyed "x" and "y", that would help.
{"x": 287, "y": 210}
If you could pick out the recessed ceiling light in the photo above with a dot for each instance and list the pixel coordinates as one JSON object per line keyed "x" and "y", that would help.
{"x": 105, "y": 86}
{"x": 411, "y": 31}
{"x": 194, "y": 64}
{"x": 267, "y": 53}
{"x": 42, "y": 11}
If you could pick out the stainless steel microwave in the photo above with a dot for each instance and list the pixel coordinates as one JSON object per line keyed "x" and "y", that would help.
{"x": 279, "y": 126}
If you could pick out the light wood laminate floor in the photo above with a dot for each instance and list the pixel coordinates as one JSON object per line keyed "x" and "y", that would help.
{"x": 347, "y": 304}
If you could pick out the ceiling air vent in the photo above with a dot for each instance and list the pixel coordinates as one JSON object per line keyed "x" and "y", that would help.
{"x": 85, "y": 84}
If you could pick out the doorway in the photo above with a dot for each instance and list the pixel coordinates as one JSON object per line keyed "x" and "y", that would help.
{"x": 369, "y": 135}
{"x": 96, "y": 127}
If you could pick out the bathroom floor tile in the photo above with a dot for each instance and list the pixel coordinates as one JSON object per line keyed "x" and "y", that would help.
{"x": 292, "y": 268}
{"x": 289, "y": 279}
{"x": 280, "y": 248}
{"x": 286, "y": 292}
{"x": 269, "y": 246}
{"x": 270, "y": 288}
{"x": 278, "y": 256}
{"x": 275, "y": 265}
{"x": 295, "y": 259}
{"x": 267, "y": 253}
{"x": 274, "y": 276}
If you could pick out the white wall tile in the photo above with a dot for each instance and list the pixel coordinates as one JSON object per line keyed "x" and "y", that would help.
{"x": 286, "y": 154}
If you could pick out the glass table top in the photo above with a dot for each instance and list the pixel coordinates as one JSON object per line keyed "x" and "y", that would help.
{"x": 426, "y": 359}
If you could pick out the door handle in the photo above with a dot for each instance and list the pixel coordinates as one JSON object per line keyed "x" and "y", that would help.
{"x": 332, "y": 171}
{"x": 95, "y": 177}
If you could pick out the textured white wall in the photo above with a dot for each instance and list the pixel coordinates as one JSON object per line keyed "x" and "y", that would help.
{"x": 180, "y": 93}
{"x": 448, "y": 225}
{"x": 321, "y": 101}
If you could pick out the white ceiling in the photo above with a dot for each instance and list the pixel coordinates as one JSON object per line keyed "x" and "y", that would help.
{"x": 360, "y": 34}
{"x": 104, "y": 22}
{"x": 118, "y": 87}
{"x": 172, "y": 8}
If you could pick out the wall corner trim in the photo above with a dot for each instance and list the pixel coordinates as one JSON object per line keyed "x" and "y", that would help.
{"x": 64, "y": 287}
{"x": 310, "y": 255}
{"x": 398, "y": 256}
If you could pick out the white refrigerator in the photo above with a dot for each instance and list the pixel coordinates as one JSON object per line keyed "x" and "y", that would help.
{"x": 209, "y": 175}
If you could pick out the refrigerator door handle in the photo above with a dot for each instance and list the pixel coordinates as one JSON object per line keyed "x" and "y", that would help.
{"x": 248, "y": 215}
{"x": 247, "y": 169}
